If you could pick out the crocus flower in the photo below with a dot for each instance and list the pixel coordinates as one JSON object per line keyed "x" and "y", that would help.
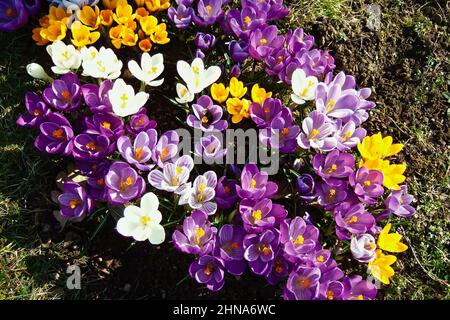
{"x": 363, "y": 247}
{"x": 104, "y": 64}
{"x": 282, "y": 133}
{"x": 37, "y": 111}
{"x": 174, "y": 176}
{"x": 367, "y": 184}
{"x": 37, "y": 71}
{"x": 331, "y": 290}
{"x": 260, "y": 250}
{"x": 298, "y": 40}
{"x": 143, "y": 223}
{"x": 226, "y": 196}
{"x": 56, "y": 136}
{"x": 208, "y": 12}
{"x": 352, "y": 219}
{"x": 140, "y": 152}
{"x": 96, "y": 97}
{"x": 390, "y": 241}
{"x": 255, "y": 184}
{"x": 348, "y": 136}
{"x": 242, "y": 22}
{"x": 238, "y": 50}
{"x": 207, "y": 116}
{"x": 355, "y": 288}
{"x": 335, "y": 102}
{"x": 184, "y": 96}
{"x": 321, "y": 259}
{"x": 298, "y": 237}
{"x": 210, "y": 148}
{"x": 139, "y": 122}
{"x": 204, "y": 41}
{"x": 219, "y": 92}
{"x": 105, "y": 124}
{"x": 123, "y": 183}
{"x": 198, "y": 235}
{"x": 260, "y": 215}
{"x": 304, "y": 87}
{"x": 196, "y": 76}
{"x": 124, "y": 100}
{"x": 334, "y": 165}
{"x": 238, "y": 108}
{"x": 64, "y": 94}
{"x": 264, "y": 41}
{"x": 181, "y": 16}
{"x": 201, "y": 195}
{"x": 315, "y": 62}
{"x": 305, "y": 186}
{"x": 332, "y": 193}
{"x": 317, "y": 131}
{"x": 208, "y": 270}
{"x": 166, "y": 148}
{"x": 302, "y": 284}
{"x": 96, "y": 186}
{"x": 93, "y": 168}
{"x": 276, "y": 61}
{"x": 381, "y": 268}
{"x": 74, "y": 200}
{"x": 15, "y": 13}
{"x": 273, "y": 8}
{"x": 230, "y": 248}
{"x": 92, "y": 146}
{"x": 279, "y": 269}
{"x": 376, "y": 147}
{"x": 151, "y": 68}
{"x": 399, "y": 203}
{"x": 263, "y": 114}
{"x": 237, "y": 88}
{"x": 65, "y": 57}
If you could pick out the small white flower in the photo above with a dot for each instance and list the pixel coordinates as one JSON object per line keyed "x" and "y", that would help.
{"x": 304, "y": 87}
{"x": 143, "y": 223}
{"x": 201, "y": 195}
{"x": 150, "y": 69}
{"x": 65, "y": 57}
{"x": 363, "y": 247}
{"x": 88, "y": 53}
{"x": 103, "y": 64}
{"x": 36, "y": 71}
{"x": 195, "y": 76}
{"x": 184, "y": 96}
{"x": 123, "y": 99}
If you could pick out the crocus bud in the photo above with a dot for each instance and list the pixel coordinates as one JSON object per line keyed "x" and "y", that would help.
{"x": 235, "y": 71}
{"x": 363, "y": 247}
{"x": 238, "y": 51}
{"x": 199, "y": 54}
{"x": 36, "y": 71}
{"x": 305, "y": 187}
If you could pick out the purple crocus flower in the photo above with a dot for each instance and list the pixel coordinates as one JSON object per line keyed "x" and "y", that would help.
{"x": 261, "y": 215}
{"x": 367, "y": 184}
{"x": 96, "y": 187}
{"x": 123, "y": 183}
{"x": 37, "y": 111}
{"x": 276, "y": 61}
{"x": 243, "y": 22}
{"x": 92, "y": 146}
{"x": 13, "y": 15}
{"x": 263, "y": 114}
{"x": 347, "y": 135}
{"x": 279, "y": 268}
{"x": 140, "y": 152}
{"x": 331, "y": 290}
{"x": 198, "y": 235}
{"x": 320, "y": 258}
{"x": 298, "y": 41}
{"x": 302, "y": 284}
{"x": 207, "y": 116}
{"x": 166, "y": 148}
{"x": 208, "y": 270}
{"x": 74, "y": 201}
{"x": 315, "y": 62}
{"x": 105, "y": 124}
{"x": 355, "y": 288}
{"x": 335, "y": 102}
{"x": 210, "y": 148}
{"x": 93, "y": 168}
{"x": 226, "y": 196}
{"x": 235, "y": 71}
{"x": 399, "y": 203}
{"x": 181, "y": 16}
{"x": 208, "y": 12}
{"x": 331, "y": 193}
{"x": 138, "y": 123}
{"x": 96, "y": 97}
{"x": 352, "y": 219}
{"x": 238, "y": 50}
{"x": 334, "y": 165}
{"x": 199, "y": 54}
{"x": 298, "y": 237}
{"x": 204, "y": 41}
{"x": 264, "y": 41}
{"x": 231, "y": 249}
{"x": 305, "y": 186}
{"x": 64, "y": 94}
{"x": 260, "y": 250}
{"x": 56, "y": 135}
{"x": 201, "y": 195}
{"x": 282, "y": 133}
{"x": 274, "y": 8}
{"x": 317, "y": 131}
{"x": 255, "y": 184}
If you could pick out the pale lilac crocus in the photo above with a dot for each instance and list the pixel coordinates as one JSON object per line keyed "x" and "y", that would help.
{"x": 174, "y": 176}
{"x": 139, "y": 152}
{"x": 352, "y": 219}
{"x": 335, "y": 102}
{"x": 317, "y": 132}
{"x": 260, "y": 215}
{"x": 208, "y": 12}
{"x": 255, "y": 184}
{"x": 298, "y": 40}
{"x": 298, "y": 237}
{"x": 363, "y": 247}
{"x": 201, "y": 195}
{"x": 347, "y": 135}
{"x": 333, "y": 165}
{"x": 355, "y": 288}
{"x": 181, "y": 16}
{"x": 166, "y": 148}
{"x": 367, "y": 184}
{"x": 210, "y": 148}
{"x": 399, "y": 203}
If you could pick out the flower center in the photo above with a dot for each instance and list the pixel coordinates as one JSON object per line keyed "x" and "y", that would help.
{"x": 59, "y": 134}
{"x": 303, "y": 282}
{"x": 199, "y": 234}
{"x": 209, "y": 269}
{"x": 164, "y": 153}
{"x": 313, "y": 134}
{"x": 332, "y": 194}
{"x": 145, "y": 220}
{"x": 320, "y": 259}
{"x": 227, "y": 189}
{"x": 346, "y": 136}
{"x": 247, "y": 20}
{"x": 330, "y": 105}
{"x": 367, "y": 183}
{"x": 91, "y": 146}
{"x": 125, "y": 184}
{"x": 330, "y": 295}
{"x": 208, "y": 9}
{"x": 253, "y": 184}
{"x": 299, "y": 240}
{"x": 66, "y": 95}
{"x": 11, "y": 12}
{"x": 138, "y": 154}
{"x": 352, "y": 220}
{"x": 73, "y": 203}
{"x": 37, "y": 112}
{"x": 285, "y": 131}
{"x": 100, "y": 182}
{"x": 263, "y": 41}
{"x": 331, "y": 169}
{"x": 256, "y": 215}
{"x": 106, "y": 125}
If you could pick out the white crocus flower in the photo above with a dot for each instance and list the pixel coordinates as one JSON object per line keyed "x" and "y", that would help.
{"x": 36, "y": 71}
{"x": 196, "y": 76}
{"x": 143, "y": 223}
{"x": 363, "y": 247}
{"x": 201, "y": 195}
{"x": 65, "y": 57}
{"x": 304, "y": 87}
{"x": 103, "y": 64}
{"x": 150, "y": 69}
{"x": 184, "y": 95}
{"x": 123, "y": 99}
{"x": 88, "y": 53}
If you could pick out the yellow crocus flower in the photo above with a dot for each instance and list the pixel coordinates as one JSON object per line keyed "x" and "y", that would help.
{"x": 237, "y": 88}
{"x": 393, "y": 176}
{"x": 129, "y": 38}
{"x": 90, "y": 16}
{"x": 156, "y": 5}
{"x": 82, "y": 36}
{"x": 110, "y": 4}
{"x": 57, "y": 30}
{"x": 140, "y": 13}
{"x": 106, "y": 17}
{"x": 40, "y": 41}
{"x": 260, "y": 94}
{"x": 124, "y": 12}
{"x": 160, "y": 35}
{"x": 115, "y": 33}
{"x": 238, "y": 108}
{"x": 58, "y": 14}
{"x": 377, "y": 147}
{"x": 148, "y": 24}
{"x": 381, "y": 267}
{"x": 219, "y": 92}
{"x": 145, "y": 45}
{"x": 390, "y": 241}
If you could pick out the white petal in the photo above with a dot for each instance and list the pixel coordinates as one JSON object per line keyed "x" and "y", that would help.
{"x": 126, "y": 227}
{"x": 157, "y": 235}
{"x": 156, "y": 83}
{"x": 149, "y": 203}
{"x": 135, "y": 70}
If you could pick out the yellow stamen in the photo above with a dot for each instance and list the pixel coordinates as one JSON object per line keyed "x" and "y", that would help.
{"x": 106, "y": 125}
{"x": 91, "y": 146}
{"x": 66, "y": 95}
{"x": 299, "y": 241}
{"x": 330, "y": 295}
{"x": 58, "y": 134}
{"x": 256, "y": 215}
{"x": 263, "y": 41}
{"x": 367, "y": 183}
{"x": 303, "y": 282}
{"x": 37, "y": 112}
{"x": 138, "y": 154}
{"x": 199, "y": 234}
{"x": 145, "y": 220}
{"x": 320, "y": 259}
{"x": 313, "y": 134}
{"x": 253, "y": 184}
